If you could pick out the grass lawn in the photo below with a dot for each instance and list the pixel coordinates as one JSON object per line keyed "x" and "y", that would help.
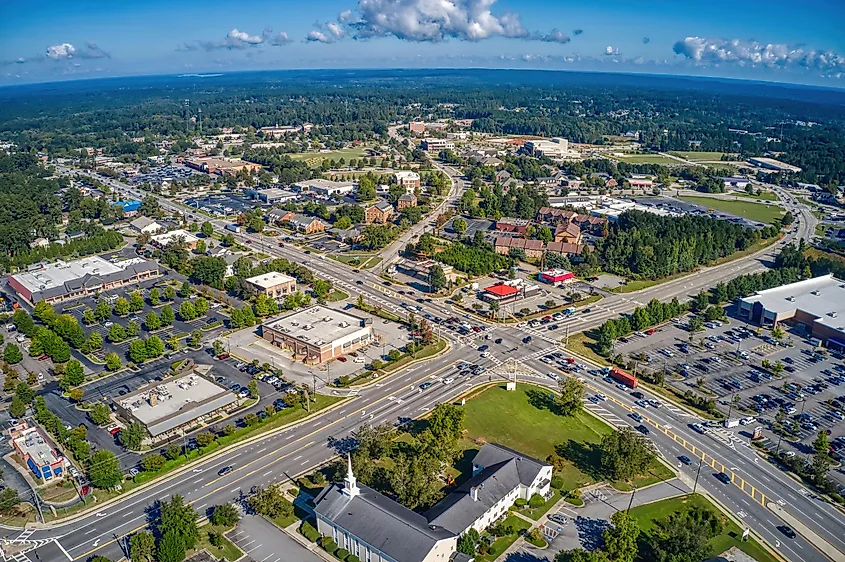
{"x": 640, "y": 284}
{"x": 648, "y": 159}
{"x": 424, "y": 353}
{"x": 315, "y": 158}
{"x": 226, "y": 550}
{"x": 693, "y": 156}
{"x": 537, "y": 513}
{"x": 337, "y": 295}
{"x": 647, "y": 514}
{"x": 764, "y": 195}
{"x": 584, "y": 344}
{"x": 502, "y": 543}
{"x": 754, "y": 211}
{"x": 531, "y": 428}
{"x": 359, "y": 261}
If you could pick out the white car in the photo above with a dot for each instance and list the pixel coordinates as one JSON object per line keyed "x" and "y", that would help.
{"x": 108, "y": 324}
{"x": 485, "y": 354}
{"x": 358, "y": 359}
{"x": 601, "y": 396}
{"x": 552, "y": 375}
{"x": 448, "y": 380}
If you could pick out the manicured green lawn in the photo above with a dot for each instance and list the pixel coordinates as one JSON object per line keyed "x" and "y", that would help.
{"x": 522, "y": 421}
{"x": 693, "y": 156}
{"x": 754, "y": 211}
{"x": 315, "y": 158}
{"x": 227, "y": 550}
{"x": 502, "y": 543}
{"x": 537, "y": 513}
{"x": 764, "y": 195}
{"x": 648, "y": 159}
{"x": 646, "y": 515}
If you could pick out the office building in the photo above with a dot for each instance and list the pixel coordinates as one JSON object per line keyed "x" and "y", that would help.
{"x": 554, "y": 148}
{"x": 407, "y": 179}
{"x": 35, "y": 451}
{"x": 436, "y": 145}
{"x": 274, "y": 285}
{"x": 161, "y": 241}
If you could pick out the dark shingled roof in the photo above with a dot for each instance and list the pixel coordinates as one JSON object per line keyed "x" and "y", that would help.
{"x": 502, "y": 470}
{"x": 383, "y": 523}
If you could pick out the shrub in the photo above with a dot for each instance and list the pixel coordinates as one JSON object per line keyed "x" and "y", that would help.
{"x": 352, "y": 558}
{"x": 520, "y": 503}
{"x": 536, "y": 501}
{"x": 342, "y": 553}
{"x": 308, "y": 531}
{"x": 328, "y": 544}
{"x": 558, "y": 482}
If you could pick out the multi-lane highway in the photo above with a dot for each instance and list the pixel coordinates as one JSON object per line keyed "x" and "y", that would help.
{"x": 297, "y": 449}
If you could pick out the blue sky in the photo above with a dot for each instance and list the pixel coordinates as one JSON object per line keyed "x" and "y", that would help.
{"x": 775, "y": 40}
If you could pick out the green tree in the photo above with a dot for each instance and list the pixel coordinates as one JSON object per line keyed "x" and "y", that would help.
{"x": 25, "y": 392}
{"x": 467, "y": 542}
{"x": 121, "y": 307}
{"x": 132, "y": 328}
{"x": 205, "y": 438}
{"x": 74, "y": 375}
{"x": 196, "y": 338}
{"x": 142, "y": 547}
{"x": 155, "y": 296}
{"x": 821, "y": 458}
{"x": 225, "y": 515}
{"x": 171, "y": 547}
{"x": 132, "y": 436}
{"x": 136, "y": 301}
{"x": 436, "y": 278}
{"x": 17, "y": 409}
{"x": 185, "y": 291}
{"x": 154, "y": 346}
{"x": 207, "y": 229}
{"x": 570, "y": 401}
{"x": 112, "y": 361}
{"x": 138, "y": 351}
{"x": 459, "y": 225}
{"x": 620, "y": 539}
{"x": 187, "y": 311}
{"x": 104, "y": 470}
{"x": 116, "y": 333}
{"x": 217, "y": 346}
{"x": 685, "y": 536}
{"x": 696, "y": 324}
{"x": 102, "y": 311}
{"x": 152, "y": 462}
{"x": 625, "y": 454}
{"x": 99, "y": 413}
{"x": 88, "y": 316}
{"x": 270, "y": 502}
{"x": 95, "y": 341}
{"x": 169, "y": 293}
{"x": 252, "y": 387}
{"x": 201, "y": 306}
{"x": 12, "y": 354}
{"x": 167, "y": 315}
{"x": 177, "y": 517}
{"x": 152, "y": 321}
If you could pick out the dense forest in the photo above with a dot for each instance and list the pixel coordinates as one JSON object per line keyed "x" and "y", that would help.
{"x": 644, "y": 245}
{"x": 804, "y": 125}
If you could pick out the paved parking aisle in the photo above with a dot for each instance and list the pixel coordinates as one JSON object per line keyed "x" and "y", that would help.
{"x": 264, "y": 542}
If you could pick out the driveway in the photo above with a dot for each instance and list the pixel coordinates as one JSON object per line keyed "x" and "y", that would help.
{"x": 264, "y": 542}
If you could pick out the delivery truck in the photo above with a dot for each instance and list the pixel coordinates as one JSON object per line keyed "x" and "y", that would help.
{"x": 624, "y": 377}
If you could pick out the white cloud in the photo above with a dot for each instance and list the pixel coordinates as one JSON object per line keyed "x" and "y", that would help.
{"x": 245, "y": 37}
{"x": 610, "y": 51}
{"x": 336, "y": 30}
{"x": 554, "y": 36}
{"x": 317, "y": 37}
{"x": 61, "y": 51}
{"x": 277, "y": 40}
{"x": 713, "y": 52}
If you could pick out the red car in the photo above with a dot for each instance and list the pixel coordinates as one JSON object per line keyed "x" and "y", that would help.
{"x": 43, "y": 357}
{"x": 223, "y": 356}
{"x": 650, "y": 332}
{"x": 342, "y": 359}
{"x": 114, "y": 430}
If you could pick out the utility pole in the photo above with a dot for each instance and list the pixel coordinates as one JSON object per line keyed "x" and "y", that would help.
{"x": 695, "y": 485}
{"x": 631, "y": 501}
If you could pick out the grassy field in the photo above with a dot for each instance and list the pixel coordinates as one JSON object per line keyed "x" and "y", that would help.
{"x": 640, "y": 284}
{"x": 584, "y": 344}
{"x": 315, "y": 158}
{"x": 359, "y": 261}
{"x": 529, "y": 426}
{"x": 693, "y": 156}
{"x": 764, "y": 195}
{"x": 647, "y": 514}
{"x": 648, "y": 159}
{"x": 754, "y": 211}
{"x": 226, "y": 550}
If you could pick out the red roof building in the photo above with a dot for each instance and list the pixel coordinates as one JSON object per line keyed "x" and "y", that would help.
{"x": 556, "y": 276}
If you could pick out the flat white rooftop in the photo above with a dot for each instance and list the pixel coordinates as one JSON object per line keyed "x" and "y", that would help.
{"x": 173, "y": 403}
{"x": 822, "y": 297}
{"x": 168, "y": 237}
{"x": 56, "y": 274}
{"x": 318, "y": 325}
{"x": 269, "y": 280}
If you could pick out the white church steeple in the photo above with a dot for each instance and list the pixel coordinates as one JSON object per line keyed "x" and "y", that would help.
{"x": 350, "y": 485}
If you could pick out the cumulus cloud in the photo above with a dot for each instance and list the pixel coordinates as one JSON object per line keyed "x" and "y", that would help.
{"x": 65, "y": 51}
{"x": 610, "y": 51}
{"x": 712, "y": 52}
{"x": 428, "y": 21}
{"x": 238, "y": 40}
{"x": 318, "y": 37}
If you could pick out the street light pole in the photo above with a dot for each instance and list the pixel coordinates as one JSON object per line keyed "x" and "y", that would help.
{"x": 695, "y": 485}
{"x": 631, "y": 501}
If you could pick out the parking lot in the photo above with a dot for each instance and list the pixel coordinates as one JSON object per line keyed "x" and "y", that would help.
{"x": 248, "y": 345}
{"x": 686, "y": 207}
{"x": 726, "y": 362}
{"x": 178, "y": 328}
{"x": 222, "y": 204}
{"x": 161, "y": 173}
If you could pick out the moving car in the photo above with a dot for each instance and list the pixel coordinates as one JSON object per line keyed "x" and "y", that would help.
{"x": 425, "y": 385}
{"x": 642, "y": 429}
{"x": 787, "y": 531}
{"x": 685, "y": 460}
{"x": 723, "y": 478}
{"x": 224, "y": 471}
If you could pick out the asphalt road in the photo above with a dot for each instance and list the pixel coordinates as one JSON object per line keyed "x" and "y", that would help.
{"x": 397, "y": 398}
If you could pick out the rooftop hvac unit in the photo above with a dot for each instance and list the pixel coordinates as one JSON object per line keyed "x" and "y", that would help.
{"x": 344, "y": 324}
{"x": 307, "y": 327}
{"x": 294, "y": 323}
{"x": 327, "y": 318}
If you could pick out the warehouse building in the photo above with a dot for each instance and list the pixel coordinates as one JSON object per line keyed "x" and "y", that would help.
{"x": 773, "y": 165}
{"x": 323, "y": 187}
{"x": 174, "y": 407}
{"x": 271, "y": 195}
{"x": 817, "y": 305}
{"x": 61, "y": 281}
{"x": 36, "y": 452}
{"x": 318, "y": 334}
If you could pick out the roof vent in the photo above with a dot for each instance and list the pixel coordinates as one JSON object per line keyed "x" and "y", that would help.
{"x": 473, "y": 493}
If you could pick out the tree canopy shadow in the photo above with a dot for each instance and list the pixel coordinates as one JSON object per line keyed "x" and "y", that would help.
{"x": 585, "y": 456}
{"x": 542, "y": 400}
